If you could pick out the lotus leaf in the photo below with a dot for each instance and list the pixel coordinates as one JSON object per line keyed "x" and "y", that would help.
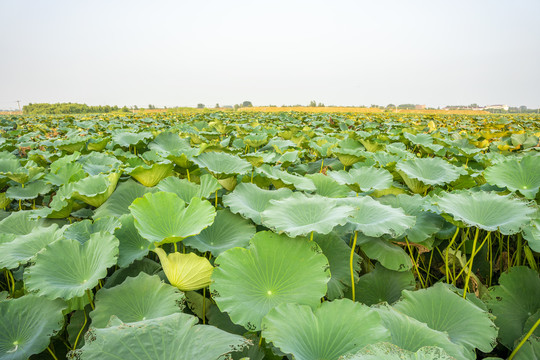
{"x": 95, "y": 190}
{"x": 223, "y": 165}
{"x": 390, "y": 256}
{"x": 149, "y": 174}
{"x": 118, "y": 203}
{"x": 387, "y": 351}
{"x": 275, "y": 269}
{"x": 429, "y": 171}
{"x": 132, "y": 245}
{"x": 326, "y": 186}
{"x": 187, "y": 190}
{"x": 99, "y": 163}
{"x": 517, "y": 175}
{"x": 185, "y": 271}
{"x": 335, "y": 328}
{"x": 366, "y": 178}
{"x": 163, "y": 217}
{"x": 127, "y": 138}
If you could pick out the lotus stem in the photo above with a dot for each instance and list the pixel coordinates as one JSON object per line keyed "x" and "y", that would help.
{"x": 311, "y": 236}
{"x": 80, "y": 331}
{"x": 446, "y": 255}
{"x": 175, "y": 247}
{"x": 351, "y": 263}
{"x": 468, "y": 263}
{"x": 415, "y": 263}
{"x": 252, "y": 171}
{"x": 51, "y": 352}
{"x": 90, "y": 299}
{"x": 216, "y": 199}
{"x": 490, "y": 255}
{"x": 518, "y": 250}
{"x": 204, "y": 306}
{"x": 527, "y": 336}
{"x": 188, "y": 178}
{"x": 322, "y": 165}
{"x": 508, "y": 252}
{"x": 471, "y": 266}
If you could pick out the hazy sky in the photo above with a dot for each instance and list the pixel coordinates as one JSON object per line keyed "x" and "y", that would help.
{"x": 173, "y": 53}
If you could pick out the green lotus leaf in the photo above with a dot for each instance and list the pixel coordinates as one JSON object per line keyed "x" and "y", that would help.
{"x": 424, "y": 140}
{"x": 145, "y": 265}
{"x": 387, "y": 351}
{"x": 334, "y": 329}
{"x": 19, "y": 223}
{"x": 13, "y": 170}
{"x": 149, "y": 174}
{"x": 443, "y": 310}
{"x": 338, "y": 254}
{"x": 227, "y": 231}
{"x": 82, "y": 230}
{"x": 517, "y": 175}
{"x": 97, "y": 143}
{"x": 250, "y": 201}
{"x": 223, "y": 165}
{"x": 375, "y": 219}
{"x": 275, "y": 269}
{"x": 170, "y": 337}
{"x": 429, "y": 171}
{"x": 326, "y": 186}
{"x": 71, "y": 145}
{"x": 366, "y": 178}
{"x": 411, "y": 335}
{"x": 70, "y": 172}
{"x": 427, "y": 223}
{"x": 132, "y": 245}
{"x": 24, "y": 247}
{"x": 388, "y": 254}
{"x": 118, "y": 203}
{"x": 173, "y": 147}
{"x": 30, "y": 191}
{"x": 66, "y": 268}
{"x": 163, "y": 217}
{"x": 256, "y": 140}
{"x": 95, "y": 190}
{"x": 383, "y": 285}
{"x": 486, "y": 210}
{"x": 27, "y": 325}
{"x": 301, "y": 215}
{"x": 126, "y": 138}
{"x": 530, "y": 349}
{"x": 512, "y": 302}
{"x": 531, "y": 233}
{"x": 149, "y": 298}
{"x": 187, "y": 190}
{"x": 97, "y": 163}
{"x": 282, "y": 178}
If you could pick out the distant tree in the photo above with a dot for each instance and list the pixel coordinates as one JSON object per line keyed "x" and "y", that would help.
{"x": 236, "y": 106}
{"x": 247, "y": 104}
{"x": 522, "y": 109}
{"x": 312, "y": 103}
{"x": 125, "y": 109}
{"x": 135, "y": 107}
{"x": 200, "y": 106}
{"x": 151, "y": 107}
{"x": 320, "y": 104}
{"x": 217, "y": 106}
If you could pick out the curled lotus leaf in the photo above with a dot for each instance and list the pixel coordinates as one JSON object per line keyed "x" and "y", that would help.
{"x": 333, "y": 329}
{"x": 185, "y": 271}
{"x": 30, "y": 191}
{"x": 250, "y": 201}
{"x": 149, "y": 174}
{"x": 97, "y": 163}
{"x": 127, "y": 138}
{"x": 275, "y": 269}
{"x": 486, "y": 210}
{"x": 326, "y": 186}
{"x": 300, "y": 214}
{"x": 27, "y": 324}
{"x": 366, "y": 178}
{"x": 163, "y": 217}
{"x": 517, "y": 175}
{"x": 187, "y": 190}
{"x": 222, "y": 164}
{"x": 429, "y": 171}
{"x": 95, "y": 190}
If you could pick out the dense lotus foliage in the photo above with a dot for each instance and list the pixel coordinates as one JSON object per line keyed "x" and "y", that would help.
{"x": 233, "y": 235}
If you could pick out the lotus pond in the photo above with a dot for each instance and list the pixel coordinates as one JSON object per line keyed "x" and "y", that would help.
{"x": 230, "y": 235}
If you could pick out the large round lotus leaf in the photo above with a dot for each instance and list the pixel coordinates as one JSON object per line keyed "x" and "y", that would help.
{"x": 70, "y": 172}
{"x": 150, "y": 174}
{"x": 367, "y": 178}
{"x": 187, "y": 190}
{"x": 326, "y": 186}
{"x": 383, "y": 285}
{"x": 411, "y": 334}
{"x": 163, "y": 217}
{"x": 388, "y": 254}
{"x": 67, "y": 268}
{"x": 136, "y": 299}
{"x": 171, "y": 145}
{"x": 132, "y": 245}
{"x": 127, "y": 139}
{"x": 338, "y": 254}
{"x": 29, "y": 191}
{"x": 427, "y": 223}
{"x": 430, "y": 171}
{"x": 19, "y": 223}
{"x": 335, "y": 328}
{"x": 486, "y": 210}
{"x": 145, "y": 265}
{"x": 118, "y": 203}
{"x": 280, "y": 178}
{"x": 517, "y": 175}
{"x": 250, "y": 201}
{"x": 170, "y": 337}
{"x": 27, "y": 324}
{"x": 513, "y": 301}
{"x": 97, "y": 163}
{"x": 387, "y": 351}
{"x": 275, "y": 269}
{"x": 70, "y": 145}
{"x": 228, "y": 230}
{"x": 185, "y": 271}
{"x": 375, "y": 219}
{"x": 301, "y": 215}
{"x": 424, "y": 140}
{"x": 443, "y": 310}
{"x": 82, "y": 230}
{"x": 94, "y": 190}
{"x": 222, "y": 163}
{"x": 24, "y": 247}
{"x": 31, "y": 171}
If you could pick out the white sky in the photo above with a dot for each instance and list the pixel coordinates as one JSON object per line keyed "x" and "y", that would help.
{"x": 174, "y": 53}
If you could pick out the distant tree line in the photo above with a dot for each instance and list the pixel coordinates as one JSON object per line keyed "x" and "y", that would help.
{"x": 69, "y": 108}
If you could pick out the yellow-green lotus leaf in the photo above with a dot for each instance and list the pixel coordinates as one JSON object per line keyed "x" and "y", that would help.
{"x": 185, "y": 271}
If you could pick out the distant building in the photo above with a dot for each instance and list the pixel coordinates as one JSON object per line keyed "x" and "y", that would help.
{"x": 497, "y": 107}
{"x": 419, "y": 107}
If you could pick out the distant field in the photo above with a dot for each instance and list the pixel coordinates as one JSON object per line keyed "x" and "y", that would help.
{"x": 345, "y": 109}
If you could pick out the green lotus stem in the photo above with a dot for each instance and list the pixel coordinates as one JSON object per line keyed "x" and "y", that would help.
{"x": 429, "y": 267}
{"x": 471, "y": 266}
{"x": 490, "y": 255}
{"x": 80, "y": 331}
{"x": 527, "y": 336}
{"x": 351, "y": 263}
{"x": 322, "y": 165}
{"x": 20, "y": 207}
{"x": 90, "y": 299}
{"x": 216, "y": 199}
{"x": 518, "y": 250}
{"x": 12, "y": 281}
{"x": 508, "y": 252}
{"x": 468, "y": 263}
{"x": 52, "y": 354}
{"x": 446, "y": 256}
{"x": 252, "y": 171}
{"x": 188, "y": 179}
{"x": 415, "y": 264}
{"x": 204, "y": 306}
{"x": 311, "y": 236}
{"x": 175, "y": 247}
